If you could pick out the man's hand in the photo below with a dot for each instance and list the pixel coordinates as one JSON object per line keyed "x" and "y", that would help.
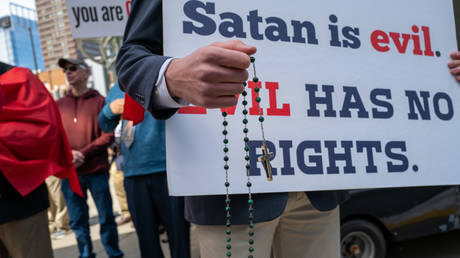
{"x": 78, "y": 158}
{"x": 211, "y": 76}
{"x": 454, "y": 65}
{"x": 117, "y": 106}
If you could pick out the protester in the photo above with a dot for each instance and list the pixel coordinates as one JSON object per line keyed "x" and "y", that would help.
{"x": 144, "y": 166}
{"x": 212, "y": 77}
{"x": 79, "y": 110}
{"x": 58, "y": 218}
{"x": 33, "y": 146}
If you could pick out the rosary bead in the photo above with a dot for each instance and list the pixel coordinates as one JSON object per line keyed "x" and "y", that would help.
{"x": 224, "y": 114}
{"x": 245, "y": 112}
{"x": 251, "y": 209}
{"x": 251, "y": 249}
{"x": 224, "y": 132}
{"x": 227, "y": 184}
{"x": 226, "y": 167}
{"x": 248, "y": 166}
{"x": 251, "y": 241}
{"x": 228, "y": 231}
{"x": 251, "y": 233}
{"x": 229, "y": 239}
{"x": 253, "y": 59}
{"x": 225, "y": 141}
{"x": 226, "y": 158}
{"x": 229, "y": 216}
{"x": 245, "y": 102}
{"x": 228, "y": 224}
{"x": 246, "y": 139}
{"x": 225, "y": 149}
{"x": 225, "y": 123}
{"x": 251, "y": 217}
{"x": 245, "y": 84}
{"x": 258, "y": 99}
{"x": 245, "y": 130}
{"x": 261, "y": 119}
{"x": 229, "y": 254}
{"x": 245, "y": 121}
{"x": 244, "y": 93}
{"x": 247, "y": 157}
{"x": 256, "y": 89}
{"x": 227, "y": 201}
{"x": 229, "y": 247}
{"x": 249, "y": 184}
{"x": 246, "y": 148}
{"x": 255, "y": 79}
{"x": 250, "y": 201}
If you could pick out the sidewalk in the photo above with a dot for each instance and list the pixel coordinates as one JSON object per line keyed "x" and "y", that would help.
{"x": 66, "y": 247}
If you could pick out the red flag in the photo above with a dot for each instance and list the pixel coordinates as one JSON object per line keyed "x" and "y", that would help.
{"x": 33, "y": 143}
{"x": 133, "y": 110}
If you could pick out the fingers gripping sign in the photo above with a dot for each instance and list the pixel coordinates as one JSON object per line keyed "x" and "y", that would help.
{"x": 211, "y": 76}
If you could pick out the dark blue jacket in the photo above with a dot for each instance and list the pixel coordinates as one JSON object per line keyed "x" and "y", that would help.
{"x": 138, "y": 64}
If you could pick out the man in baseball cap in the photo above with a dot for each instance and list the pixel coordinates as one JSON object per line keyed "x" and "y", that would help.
{"x": 64, "y": 61}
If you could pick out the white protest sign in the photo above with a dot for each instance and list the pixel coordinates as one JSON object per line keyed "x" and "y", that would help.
{"x": 354, "y": 95}
{"x": 98, "y": 18}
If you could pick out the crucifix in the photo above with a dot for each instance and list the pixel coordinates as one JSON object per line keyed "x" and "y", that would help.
{"x": 265, "y": 159}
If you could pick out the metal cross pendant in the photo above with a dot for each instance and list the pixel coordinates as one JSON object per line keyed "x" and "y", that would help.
{"x": 265, "y": 159}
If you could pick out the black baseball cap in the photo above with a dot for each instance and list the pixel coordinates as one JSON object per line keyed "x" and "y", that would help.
{"x": 64, "y": 61}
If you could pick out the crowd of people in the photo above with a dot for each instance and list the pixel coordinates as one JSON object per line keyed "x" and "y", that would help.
{"x": 45, "y": 194}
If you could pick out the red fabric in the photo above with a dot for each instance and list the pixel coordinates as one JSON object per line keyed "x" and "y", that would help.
{"x": 1, "y": 102}
{"x": 33, "y": 144}
{"x": 133, "y": 110}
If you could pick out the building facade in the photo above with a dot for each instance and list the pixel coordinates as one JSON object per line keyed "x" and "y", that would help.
{"x": 20, "y": 39}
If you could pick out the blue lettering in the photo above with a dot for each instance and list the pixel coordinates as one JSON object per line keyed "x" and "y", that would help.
{"x": 316, "y": 159}
{"x": 352, "y": 93}
{"x": 381, "y": 103}
{"x": 369, "y": 146}
{"x": 208, "y": 26}
{"x": 278, "y": 31}
{"x": 450, "y": 107}
{"x": 392, "y": 168}
{"x": 415, "y": 101}
{"x": 287, "y": 169}
{"x": 314, "y": 100}
{"x": 334, "y": 157}
{"x": 233, "y": 28}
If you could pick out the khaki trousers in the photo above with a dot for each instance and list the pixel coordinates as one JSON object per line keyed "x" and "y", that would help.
{"x": 57, "y": 212}
{"x": 27, "y": 238}
{"x": 301, "y": 232}
{"x": 117, "y": 178}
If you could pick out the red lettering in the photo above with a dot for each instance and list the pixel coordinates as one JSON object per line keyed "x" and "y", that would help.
{"x": 402, "y": 47}
{"x": 426, "y": 36}
{"x": 192, "y": 110}
{"x": 379, "y": 37}
{"x": 254, "y": 110}
{"x": 273, "y": 110}
{"x": 416, "y": 39}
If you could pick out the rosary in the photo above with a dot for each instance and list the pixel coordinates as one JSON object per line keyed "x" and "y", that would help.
{"x": 264, "y": 158}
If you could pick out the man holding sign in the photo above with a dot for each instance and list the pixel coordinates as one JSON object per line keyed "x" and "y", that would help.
{"x": 293, "y": 224}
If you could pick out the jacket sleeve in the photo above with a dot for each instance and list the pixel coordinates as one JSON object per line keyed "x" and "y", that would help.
{"x": 141, "y": 56}
{"x": 108, "y": 121}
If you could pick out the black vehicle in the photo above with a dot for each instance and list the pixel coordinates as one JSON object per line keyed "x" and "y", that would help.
{"x": 371, "y": 218}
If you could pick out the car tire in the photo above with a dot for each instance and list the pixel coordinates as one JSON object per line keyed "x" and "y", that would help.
{"x": 362, "y": 239}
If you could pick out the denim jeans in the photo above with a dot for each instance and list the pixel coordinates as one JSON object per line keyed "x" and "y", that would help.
{"x": 150, "y": 205}
{"x": 98, "y": 185}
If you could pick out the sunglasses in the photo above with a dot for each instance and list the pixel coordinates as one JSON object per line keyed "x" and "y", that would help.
{"x": 72, "y": 68}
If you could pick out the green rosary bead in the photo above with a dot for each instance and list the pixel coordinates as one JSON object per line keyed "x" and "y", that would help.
{"x": 250, "y": 209}
{"x": 229, "y": 247}
{"x": 251, "y": 225}
{"x": 229, "y": 216}
{"x": 225, "y": 149}
{"x": 251, "y": 217}
{"x": 251, "y": 241}
{"x": 251, "y": 249}
{"x": 225, "y": 123}
{"x": 256, "y": 89}
{"x": 245, "y": 84}
{"x": 246, "y": 148}
{"x": 225, "y": 141}
{"x": 258, "y": 99}
{"x": 249, "y": 184}
{"x": 255, "y": 79}
{"x": 227, "y": 184}
{"x": 253, "y": 59}
{"x": 227, "y": 201}
{"x": 229, "y": 254}
{"x": 245, "y": 102}
{"x": 248, "y": 166}
{"x": 224, "y": 114}
{"x": 261, "y": 119}
{"x": 246, "y": 139}
{"x": 228, "y": 224}
{"x": 247, "y": 158}
{"x": 224, "y": 132}
{"x": 251, "y": 201}
{"x": 226, "y": 167}
{"x": 229, "y": 239}
{"x": 244, "y": 93}
{"x": 245, "y": 130}
{"x": 245, "y": 121}
{"x": 245, "y": 112}
{"x": 251, "y": 233}
{"x": 226, "y": 158}
{"x": 227, "y": 208}
{"x": 228, "y": 231}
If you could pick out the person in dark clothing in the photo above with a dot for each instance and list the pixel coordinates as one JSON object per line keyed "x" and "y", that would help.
{"x": 79, "y": 110}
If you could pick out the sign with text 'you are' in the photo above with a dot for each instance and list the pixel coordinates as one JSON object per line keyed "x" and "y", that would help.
{"x": 354, "y": 95}
{"x": 98, "y": 18}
